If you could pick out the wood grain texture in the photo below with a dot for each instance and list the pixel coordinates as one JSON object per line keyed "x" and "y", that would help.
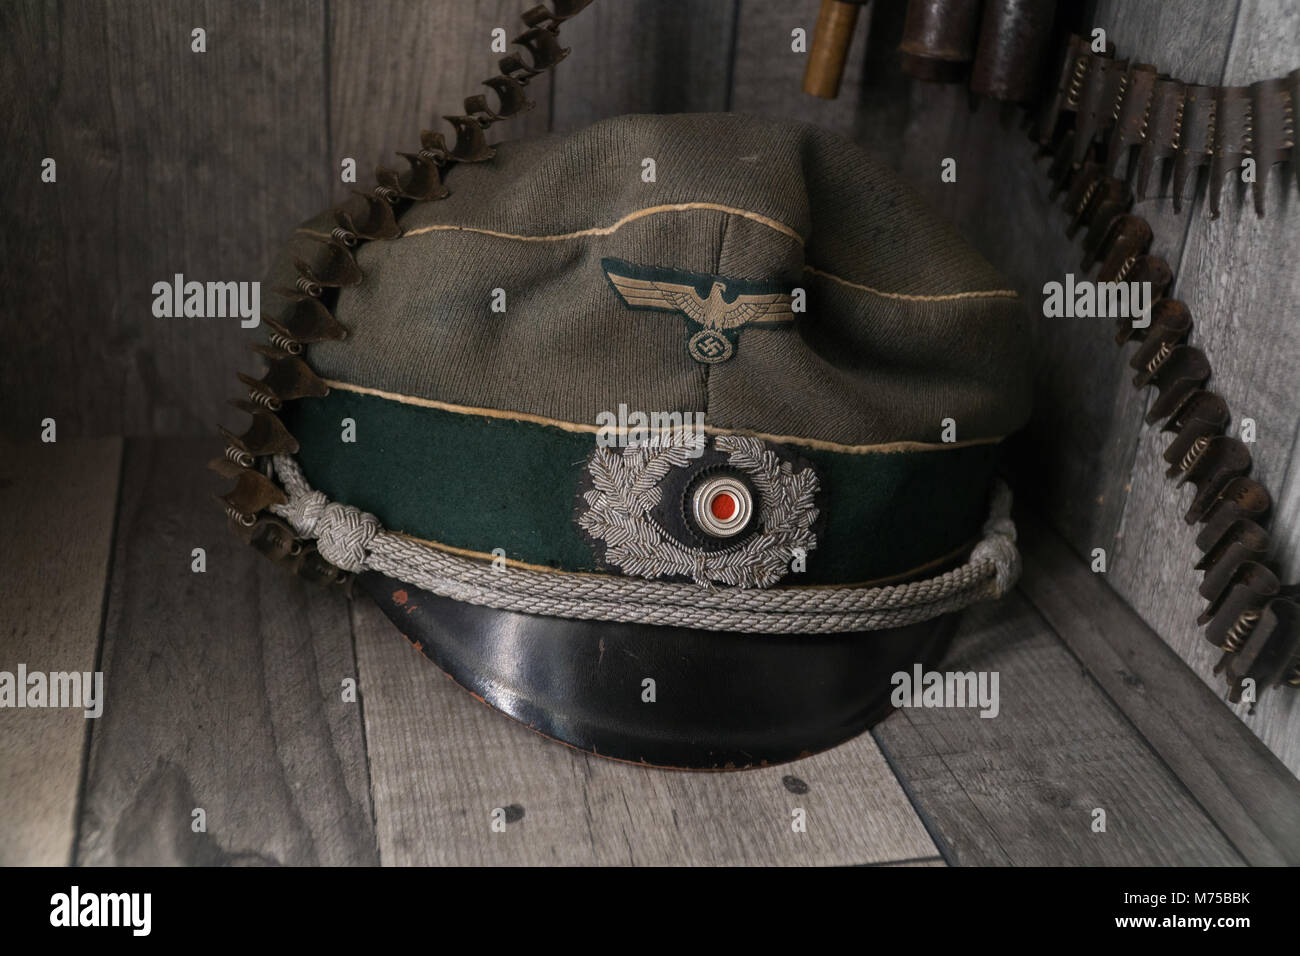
{"x": 1239, "y": 278}
{"x": 1244, "y": 788}
{"x": 929, "y": 861}
{"x": 224, "y": 692}
{"x": 169, "y": 161}
{"x": 57, "y": 503}
{"x": 441, "y": 762}
{"x": 1188, "y": 41}
{"x": 397, "y": 66}
{"x": 1020, "y": 788}
{"x": 644, "y": 56}
{"x": 767, "y": 75}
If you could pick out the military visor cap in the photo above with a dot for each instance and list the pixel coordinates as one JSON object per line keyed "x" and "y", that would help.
{"x": 673, "y": 438}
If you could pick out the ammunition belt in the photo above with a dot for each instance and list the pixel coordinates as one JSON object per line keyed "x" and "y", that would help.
{"x": 1103, "y": 107}
{"x": 1120, "y": 105}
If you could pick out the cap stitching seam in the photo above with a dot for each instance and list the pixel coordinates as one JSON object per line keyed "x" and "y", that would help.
{"x": 903, "y": 445}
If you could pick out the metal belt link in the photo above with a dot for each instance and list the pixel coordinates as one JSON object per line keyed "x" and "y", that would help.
{"x": 1130, "y": 106}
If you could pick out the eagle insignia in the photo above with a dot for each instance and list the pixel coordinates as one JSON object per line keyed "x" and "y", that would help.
{"x": 713, "y": 319}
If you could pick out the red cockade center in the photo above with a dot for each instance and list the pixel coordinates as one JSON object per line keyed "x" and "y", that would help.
{"x": 723, "y": 505}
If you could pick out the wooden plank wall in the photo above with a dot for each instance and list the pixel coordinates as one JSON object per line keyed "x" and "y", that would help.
{"x": 168, "y": 161}
{"x": 171, "y": 161}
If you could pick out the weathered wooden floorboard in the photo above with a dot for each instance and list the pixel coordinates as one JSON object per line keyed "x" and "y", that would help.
{"x": 925, "y": 861}
{"x": 1240, "y": 280}
{"x": 224, "y": 692}
{"x": 643, "y": 56}
{"x": 57, "y": 503}
{"x": 1022, "y": 788}
{"x": 441, "y": 762}
{"x": 1244, "y": 788}
{"x": 168, "y": 161}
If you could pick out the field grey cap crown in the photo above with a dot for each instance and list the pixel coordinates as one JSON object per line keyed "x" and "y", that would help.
{"x": 907, "y": 325}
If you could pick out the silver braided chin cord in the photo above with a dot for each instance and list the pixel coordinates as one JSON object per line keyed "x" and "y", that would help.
{"x": 355, "y": 541}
